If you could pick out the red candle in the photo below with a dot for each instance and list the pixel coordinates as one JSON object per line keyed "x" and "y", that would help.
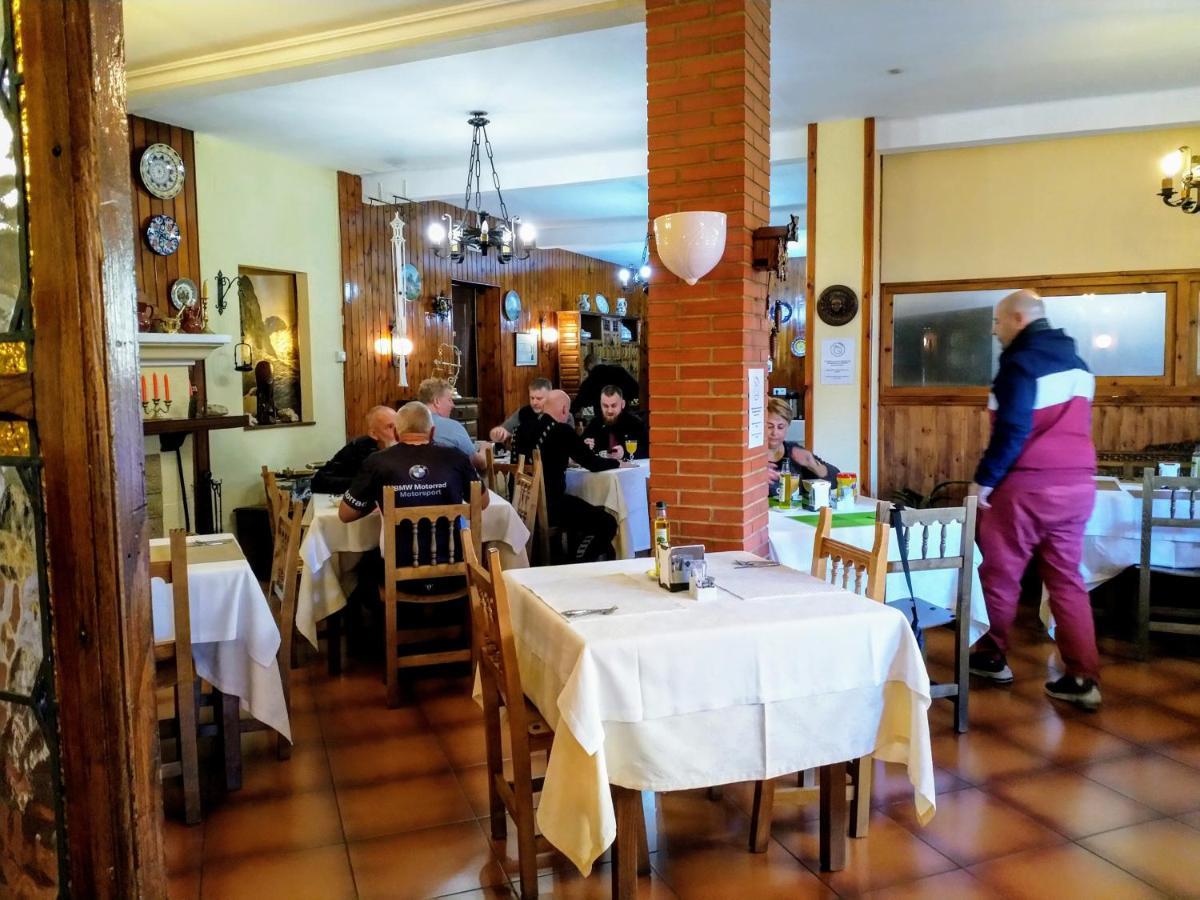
{"x": 166, "y": 387}
{"x": 143, "y": 388}
{"x": 155, "y": 376}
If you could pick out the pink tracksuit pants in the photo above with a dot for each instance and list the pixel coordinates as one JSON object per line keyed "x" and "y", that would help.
{"x": 1047, "y": 522}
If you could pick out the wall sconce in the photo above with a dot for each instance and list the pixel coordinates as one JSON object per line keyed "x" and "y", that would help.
{"x": 1183, "y": 164}
{"x": 243, "y": 357}
{"x": 548, "y": 333}
{"x": 690, "y": 243}
{"x": 397, "y": 348}
{"x": 224, "y": 283}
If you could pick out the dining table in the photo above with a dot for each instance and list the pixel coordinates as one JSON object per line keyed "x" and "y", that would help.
{"x": 235, "y": 641}
{"x": 778, "y": 673}
{"x": 332, "y": 548}
{"x": 793, "y": 530}
{"x": 622, "y": 492}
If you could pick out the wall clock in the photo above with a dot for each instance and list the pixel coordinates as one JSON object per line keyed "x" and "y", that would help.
{"x": 162, "y": 171}
{"x": 162, "y": 234}
{"x": 837, "y": 305}
{"x": 512, "y": 306}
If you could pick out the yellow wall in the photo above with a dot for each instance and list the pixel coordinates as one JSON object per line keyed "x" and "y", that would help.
{"x": 259, "y": 209}
{"x": 839, "y": 259}
{"x": 1067, "y": 206}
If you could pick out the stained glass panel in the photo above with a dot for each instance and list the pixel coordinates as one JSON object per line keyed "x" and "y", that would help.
{"x": 12, "y": 237}
{"x": 29, "y": 863}
{"x": 20, "y": 601}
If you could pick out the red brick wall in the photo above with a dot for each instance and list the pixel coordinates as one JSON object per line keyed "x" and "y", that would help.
{"x": 708, "y": 89}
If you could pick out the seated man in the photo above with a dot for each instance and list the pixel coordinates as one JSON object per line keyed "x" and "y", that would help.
{"x": 438, "y": 396}
{"x": 601, "y": 375}
{"x": 539, "y": 389}
{"x": 335, "y": 476}
{"x": 804, "y": 462}
{"x": 590, "y": 529}
{"x": 614, "y": 426}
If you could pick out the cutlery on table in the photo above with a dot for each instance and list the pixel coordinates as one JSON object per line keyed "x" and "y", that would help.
{"x": 754, "y": 564}
{"x": 579, "y": 613}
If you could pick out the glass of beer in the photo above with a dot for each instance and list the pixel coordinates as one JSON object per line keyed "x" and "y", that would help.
{"x": 631, "y": 447}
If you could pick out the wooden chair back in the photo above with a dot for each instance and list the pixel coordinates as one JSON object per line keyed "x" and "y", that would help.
{"x": 527, "y": 496}
{"x": 431, "y": 522}
{"x": 174, "y": 573}
{"x": 500, "y": 475}
{"x": 853, "y": 568}
{"x": 271, "y": 489}
{"x": 285, "y": 576}
{"x": 1183, "y": 511}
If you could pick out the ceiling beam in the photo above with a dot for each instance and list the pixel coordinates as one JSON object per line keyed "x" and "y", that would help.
{"x": 451, "y": 28}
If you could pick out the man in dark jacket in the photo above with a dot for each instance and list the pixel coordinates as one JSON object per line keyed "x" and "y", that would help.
{"x": 1036, "y": 491}
{"x": 615, "y": 425}
{"x": 599, "y": 376}
{"x": 335, "y": 476}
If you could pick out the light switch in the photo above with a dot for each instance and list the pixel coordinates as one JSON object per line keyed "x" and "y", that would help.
{"x": 339, "y": 356}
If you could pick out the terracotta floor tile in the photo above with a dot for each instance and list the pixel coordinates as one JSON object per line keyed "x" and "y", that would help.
{"x": 496, "y": 892}
{"x": 431, "y": 862}
{"x": 348, "y": 724}
{"x": 1142, "y": 723}
{"x": 891, "y": 784}
{"x": 1186, "y": 703}
{"x": 321, "y": 874}
{"x": 1184, "y": 670}
{"x": 689, "y": 818}
{"x": 889, "y": 855}
{"x": 958, "y": 884}
{"x": 971, "y": 826}
{"x": 463, "y": 744}
{"x": 473, "y": 781}
{"x": 184, "y": 886}
{"x": 721, "y": 870}
{"x": 1192, "y": 819}
{"x": 253, "y": 825}
{"x": 1070, "y": 803}
{"x": 1000, "y": 707}
{"x": 980, "y": 756}
{"x": 1161, "y": 853}
{"x": 1067, "y": 741}
{"x": 360, "y": 687}
{"x": 306, "y": 770}
{"x": 1042, "y": 875}
{"x": 183, "y": 846}
{"x": 1140, "y": 680}
{"x": 565, "y": 882}
{"x": 451, "y": 709}
{"x": 1186, "y": 751}
{"x": 386, "y": 759}
{"x": 391, "y": 807}
{"x": 1163, "y": 784}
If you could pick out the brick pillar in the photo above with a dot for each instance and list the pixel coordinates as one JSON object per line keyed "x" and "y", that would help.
{"x": 709, "y": 114}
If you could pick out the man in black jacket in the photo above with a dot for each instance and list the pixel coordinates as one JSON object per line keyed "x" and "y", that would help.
{"x": 600, "y": 375}
{"x": 615, "y": 425}
{"x": 335, "y": 476}
{"x": 590, "y": 529}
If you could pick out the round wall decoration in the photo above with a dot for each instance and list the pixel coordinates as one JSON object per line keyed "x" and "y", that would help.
{"x": 162, "y": 234}
{"x": 799, "y": 347}
{"x": 601, "y": 304}
{"x": 162, "y": 171}
{"x": 837, "y": 305}
{"x": 184, "y": 293}
{"x": 412, "y": 282}
{"x": 512, "y": 306}
{"x": 785, "y": 311}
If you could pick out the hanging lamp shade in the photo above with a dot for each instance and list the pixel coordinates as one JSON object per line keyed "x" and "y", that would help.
{"x": 690, "y": 243}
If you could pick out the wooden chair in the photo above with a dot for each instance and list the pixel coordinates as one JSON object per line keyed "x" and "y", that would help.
{"x": 427, "y": 563}
{"x": 176, "y": 669}
{"x": 1181, "y": 513}
{"x": 272, "y": 491}
{"x": 528, "y": 732}
{"x": 499, "y": 475}
{"x": 924, "y": 520}
{"x": 862, "y": 572}
{"x": 527, "y": 496}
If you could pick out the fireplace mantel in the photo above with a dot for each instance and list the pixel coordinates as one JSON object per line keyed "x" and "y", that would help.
{"x": 178, "y": 349}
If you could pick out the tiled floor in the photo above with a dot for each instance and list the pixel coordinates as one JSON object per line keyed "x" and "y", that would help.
{"x": 1035, "y": 801}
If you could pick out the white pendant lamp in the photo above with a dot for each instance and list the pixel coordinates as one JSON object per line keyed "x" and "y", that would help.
{"x": 690, "y": 243}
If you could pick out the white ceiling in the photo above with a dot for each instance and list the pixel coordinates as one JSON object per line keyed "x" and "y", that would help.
{"x": 569, "y": 111}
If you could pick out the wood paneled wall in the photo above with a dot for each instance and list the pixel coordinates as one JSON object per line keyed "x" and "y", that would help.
{"x": 923, "y": 445}
{"x": 156, "y": 274}
{"x": 550, "y": 280}
{"x": 788, "y": 370}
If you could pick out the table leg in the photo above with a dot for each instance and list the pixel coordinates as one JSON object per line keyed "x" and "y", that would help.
{"x": 231, "y": 739}
{"x": 628, "y": 807}
{"x": 834, "y": 818}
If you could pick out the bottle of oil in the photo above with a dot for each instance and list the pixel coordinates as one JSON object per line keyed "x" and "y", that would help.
{"x": 662, "y": 531}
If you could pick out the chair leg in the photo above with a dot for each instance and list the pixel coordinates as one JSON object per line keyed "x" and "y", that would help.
{"x": 1143, "y": 622}
{"x": 185, "y": 706}
{"x": 391, "y": 656}
{"x": 494, "y": 747}
{"x": 643, "y": 867}
{"x": 760, "y": 815}
{"x": 962, "y": 674}
{"x": 860, "y": 807}
{"x": 625, "y": 861}
{"x": 832, "y": 827}
{"x": 527, "y": 853}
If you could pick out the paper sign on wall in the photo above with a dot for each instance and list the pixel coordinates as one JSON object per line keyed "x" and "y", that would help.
{"x": 837, "y": 361}
{"x": 756, "y": 389}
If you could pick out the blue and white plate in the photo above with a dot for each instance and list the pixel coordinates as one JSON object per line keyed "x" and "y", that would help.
{"x": 162, "y": 171}
{"x": 601, "y": 304}
{"x": 162, "y": 234}
{"x": 512, "y": 306}
{"x": 412, "y": 282}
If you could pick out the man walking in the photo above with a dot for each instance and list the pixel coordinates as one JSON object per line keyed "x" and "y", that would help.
{"x": 1036, "y": 492}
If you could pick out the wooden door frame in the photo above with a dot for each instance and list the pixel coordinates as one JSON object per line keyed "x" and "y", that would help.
{"x": 489, "y": 330}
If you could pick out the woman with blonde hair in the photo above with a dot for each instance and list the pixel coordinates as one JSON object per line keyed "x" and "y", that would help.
{"x": 804, "y": 462}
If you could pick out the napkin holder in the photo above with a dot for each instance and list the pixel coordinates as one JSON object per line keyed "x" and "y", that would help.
{"x": 675, "y": 565}
{"x": 816, "y": 493}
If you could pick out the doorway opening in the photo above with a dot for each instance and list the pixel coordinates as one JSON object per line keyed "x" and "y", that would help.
{"x": 463, "y": 300}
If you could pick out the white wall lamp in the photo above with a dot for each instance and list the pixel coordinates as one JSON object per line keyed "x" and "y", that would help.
{"x": 690, "y": 243}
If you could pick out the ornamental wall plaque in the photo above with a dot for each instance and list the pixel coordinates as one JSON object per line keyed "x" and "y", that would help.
{"x": 837, "y": 305}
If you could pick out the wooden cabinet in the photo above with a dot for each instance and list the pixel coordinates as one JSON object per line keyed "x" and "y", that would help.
{"x": 613, "y": 339}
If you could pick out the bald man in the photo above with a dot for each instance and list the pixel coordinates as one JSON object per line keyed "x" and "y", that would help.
{"x": 590, "y": 529}
{"x": 335, "y": 476}
{"x": 1036, "y": 491}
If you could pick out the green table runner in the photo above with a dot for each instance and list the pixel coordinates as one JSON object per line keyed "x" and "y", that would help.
{"x": 841, "y": 520}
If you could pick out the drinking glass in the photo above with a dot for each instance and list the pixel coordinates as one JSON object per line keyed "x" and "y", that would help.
{"x": 630, "y": 447}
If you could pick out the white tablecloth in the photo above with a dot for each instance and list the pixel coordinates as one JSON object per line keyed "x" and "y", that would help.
{"x": 670, "y": 693}
{"x": 792, "y": 545}
{"x": 623, "y": 493}
{"x": 331, "y": 548}
{"x": 234, "y": 636}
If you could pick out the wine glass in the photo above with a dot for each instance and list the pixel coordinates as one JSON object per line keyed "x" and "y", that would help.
{"x": 631, "y": 446}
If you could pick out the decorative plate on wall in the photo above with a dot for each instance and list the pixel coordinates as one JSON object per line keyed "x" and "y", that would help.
{"x": 162, "y": 171}
{"x": 601, "y": 304}
{"x": 162, "y": 234}
{"x": 412, "y": 282}
{"x": 837, "y": 305}
{"x": 785, "y": 311}
{"x": 512, "y": 306}
{"x": 184, "y": 293}
{"x": 799, "y": 347}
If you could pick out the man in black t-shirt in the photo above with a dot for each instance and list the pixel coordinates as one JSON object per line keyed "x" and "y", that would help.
{"x": 614, "y": 426}
{"x": 335, "y": 476}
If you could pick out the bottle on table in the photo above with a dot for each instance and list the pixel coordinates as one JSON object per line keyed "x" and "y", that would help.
{"x": 662, "y": 531}
{"x": 786, "y": 484}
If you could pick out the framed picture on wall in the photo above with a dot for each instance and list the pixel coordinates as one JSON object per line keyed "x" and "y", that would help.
{"x": 527, "y": 348}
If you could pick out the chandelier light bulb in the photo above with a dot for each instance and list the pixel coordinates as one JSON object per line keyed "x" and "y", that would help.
{"x": 527, "y": 233}
{"x": 644, "y": 272}
{"x": 436, "y": 232}
{"x": 1172, "y": 163}
{"x": 404, "y": 346}
{"x": 1102, "y": 341}
{"x": 550, "y": 334}
{"x": 623, "y": 276}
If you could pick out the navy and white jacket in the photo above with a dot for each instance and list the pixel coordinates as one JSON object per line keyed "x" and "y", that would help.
{"x": 1041, "y": 406}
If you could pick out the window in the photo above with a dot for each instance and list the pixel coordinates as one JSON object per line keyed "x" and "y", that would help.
{"x": 1117, "y": 335}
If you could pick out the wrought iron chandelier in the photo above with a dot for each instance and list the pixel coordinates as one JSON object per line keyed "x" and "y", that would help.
{"x": 506, "y": 235}
{"x": 638, "y": 275}
{"x": 1181, "y": 163}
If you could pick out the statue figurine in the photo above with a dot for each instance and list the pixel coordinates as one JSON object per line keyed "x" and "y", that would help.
{"x": 265, "y": 394}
